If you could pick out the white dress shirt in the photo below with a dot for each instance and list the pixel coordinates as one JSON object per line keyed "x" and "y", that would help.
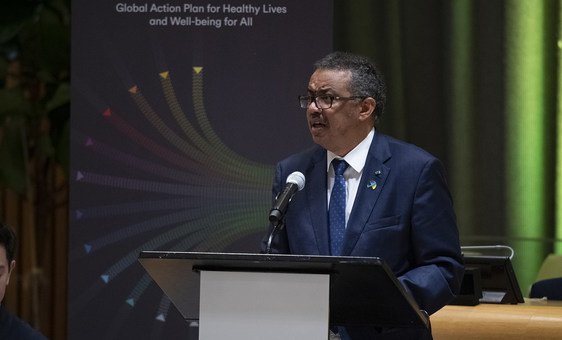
{"x": 356, "y": 159}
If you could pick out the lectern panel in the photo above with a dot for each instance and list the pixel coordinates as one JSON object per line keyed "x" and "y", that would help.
{"x": 363, "y": 290}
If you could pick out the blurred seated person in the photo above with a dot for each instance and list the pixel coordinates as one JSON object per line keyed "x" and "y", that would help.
{"x": 548, "y": 288}
{"x": 11, "y": 327}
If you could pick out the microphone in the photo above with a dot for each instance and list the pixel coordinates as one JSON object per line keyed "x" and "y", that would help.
{"x": 295, "y": 182}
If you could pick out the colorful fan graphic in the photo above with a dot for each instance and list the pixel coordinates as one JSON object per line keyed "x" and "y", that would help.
{"x": 175, "y": 133}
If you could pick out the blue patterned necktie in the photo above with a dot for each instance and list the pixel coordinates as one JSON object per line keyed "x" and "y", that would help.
{"x": 336, "y": 210}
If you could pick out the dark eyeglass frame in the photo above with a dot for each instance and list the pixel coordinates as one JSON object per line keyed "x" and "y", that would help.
{"x": 305, "y": 101}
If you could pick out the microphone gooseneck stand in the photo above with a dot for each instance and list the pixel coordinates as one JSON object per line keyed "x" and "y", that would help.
{"x": 276, "y": 227}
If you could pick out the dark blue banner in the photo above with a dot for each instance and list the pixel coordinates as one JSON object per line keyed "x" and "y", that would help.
{"x": 179, "y": 112}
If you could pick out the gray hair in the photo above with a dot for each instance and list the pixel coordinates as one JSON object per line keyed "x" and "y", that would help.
{"x": 366, "y": 79}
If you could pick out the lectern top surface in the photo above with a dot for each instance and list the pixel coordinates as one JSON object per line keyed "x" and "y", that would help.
{"x": 363, "y": 290}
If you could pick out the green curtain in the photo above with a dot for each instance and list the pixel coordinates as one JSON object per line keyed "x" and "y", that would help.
{"x": 478, "y": 84}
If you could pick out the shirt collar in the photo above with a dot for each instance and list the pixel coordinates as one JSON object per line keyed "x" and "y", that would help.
{"x": 357, "y": 157}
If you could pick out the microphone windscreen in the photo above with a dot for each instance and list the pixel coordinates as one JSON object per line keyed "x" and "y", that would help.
{"x": 296, "y": 178}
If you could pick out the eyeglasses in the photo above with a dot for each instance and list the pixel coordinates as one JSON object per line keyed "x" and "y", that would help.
{"x": 323, "y": 101}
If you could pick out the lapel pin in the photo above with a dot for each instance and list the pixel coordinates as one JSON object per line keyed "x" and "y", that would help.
{"x": 372, "y": 184}
{"x": 378, "y": 173}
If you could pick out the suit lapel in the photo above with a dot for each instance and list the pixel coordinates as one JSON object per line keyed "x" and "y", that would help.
{"x": 316, "y": 192}
{"x": 372, "y": 182}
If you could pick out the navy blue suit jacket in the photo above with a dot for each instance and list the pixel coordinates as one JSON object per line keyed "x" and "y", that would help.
{"x": 407, "y": 219}
{"x": 12, "y": 327}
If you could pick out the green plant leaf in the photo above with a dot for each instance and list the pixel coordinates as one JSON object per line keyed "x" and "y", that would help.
{"x": 13, "y": 157}
{"x": 12, "y": 16}
{"x": 14, "y": 104}
{"x": 45, "y": 44}
{"x": 60, "y": 97}
{"x": 62, "y": 147}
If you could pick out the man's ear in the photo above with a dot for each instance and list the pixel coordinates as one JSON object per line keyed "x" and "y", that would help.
{"x": 368, "y": 106}
{"x": 12, "y": 266}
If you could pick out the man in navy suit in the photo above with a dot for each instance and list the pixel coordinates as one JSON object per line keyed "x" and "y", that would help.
{"x": 397, "y": 203}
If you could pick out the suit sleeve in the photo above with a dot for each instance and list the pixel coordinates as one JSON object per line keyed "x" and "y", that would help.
{"x": 438, "y": 265}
